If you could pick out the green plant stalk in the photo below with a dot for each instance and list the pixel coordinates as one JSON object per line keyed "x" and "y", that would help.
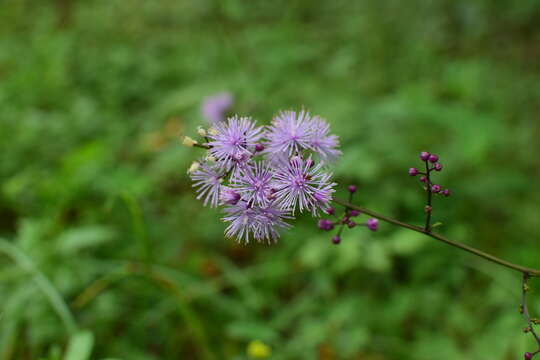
{"x": 470, "y": 249}
{"x": 43, "y": 283}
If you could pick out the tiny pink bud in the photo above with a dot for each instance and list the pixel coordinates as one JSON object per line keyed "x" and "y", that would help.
{"x": 351, "y": 224}
{"x": 438, "y": 167}
{"x": 433, "y": 158}
{"x": 259, "y": 147}
{"x": 423, "y": 179}
{"x": 325, "y": 224}
{"x": 413, "y": 171}
{"x": 527, "y": 356}
{"x": 336, "y": 239}
{"x": 330, "y": 211}
{"x": 424, "y": 156}
{"x": 435, "y": 188}
{"x": 354, "y": 213}
{"x": 446, "y": 192}
{"x": 372, "y": 224}
{"x": 352, "y": 189}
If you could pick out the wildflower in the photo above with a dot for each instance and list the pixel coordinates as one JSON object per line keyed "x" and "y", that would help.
{"x": 214, "y": 107}
{"x": 254, "y": 183}
{"x": 208, "y": 180}
{"x": 304, "y": 185}
{"x": 289, "y": 133}
{"x": 233, "y": 141}
{"x": 323, "y": 144}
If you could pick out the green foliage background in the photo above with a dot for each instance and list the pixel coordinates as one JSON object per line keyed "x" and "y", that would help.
{"x": 107, "y": 254}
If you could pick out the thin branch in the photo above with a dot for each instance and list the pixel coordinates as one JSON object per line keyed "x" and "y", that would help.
{"x": 524, "y": 290}
{"x": 428, "y": 202}
{"x": 474, "y": 251}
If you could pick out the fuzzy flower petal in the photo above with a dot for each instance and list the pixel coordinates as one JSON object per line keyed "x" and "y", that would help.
{"x": 323, "y": 144}
{"x": 207, "y": 179}
{"x": 254, "y": 183}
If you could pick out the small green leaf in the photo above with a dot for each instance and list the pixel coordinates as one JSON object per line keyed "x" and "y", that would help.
{"x": 80, "y": 346}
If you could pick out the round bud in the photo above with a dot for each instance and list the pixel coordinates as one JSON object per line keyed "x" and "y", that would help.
{"x": 345, "y": 219}
{"x": 351, "y": 224}
{"x": 325, "y": 224}
{"x": 372, "y": 224}
{"x": 413, "y": 171}
{"x": 424, "y": 156}
{"x": 527, "y": 356}
{"x": 423, "y": 179}
{"x": 336, "y": 239}
{"x": 259, "y": 147}
{"x": 437, "y": 167}
{"x": 433, "y": 158}
{"x": 330, "y": 211}
{"x": 354, "y": 213}
{"x": 352, "y": 189}
{"x": 446, "y": 192}
{"x": 435, "y": 188}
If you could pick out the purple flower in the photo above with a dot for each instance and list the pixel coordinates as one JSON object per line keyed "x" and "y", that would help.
{"x": 325, "y": 224}
{"x": 323, "y": 144}
{"x": 254, "y": 183}
{"x": 207, "y": 179}
{"x": 300, "y": 183}
{"x": 228, "y": 196}
{"x": 233, "y": 141}
{"x": 262, "y": 223}
{"x": 289, "y": 133}
{"x": 214, "y": 107}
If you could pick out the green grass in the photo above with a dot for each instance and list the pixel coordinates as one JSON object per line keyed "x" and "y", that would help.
{"x": 108, "y": 253}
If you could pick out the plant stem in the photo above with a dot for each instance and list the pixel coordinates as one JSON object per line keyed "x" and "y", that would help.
{"x": 524, "y": 290}
{"x": 429, "y": 195}
{"x": 474, "y": 251}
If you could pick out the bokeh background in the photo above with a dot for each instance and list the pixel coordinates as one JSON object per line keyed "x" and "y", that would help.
{"x": 106, "y": 254}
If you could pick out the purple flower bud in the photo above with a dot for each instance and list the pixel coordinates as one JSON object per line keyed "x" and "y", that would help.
{"x": 413, "y": 171}
{"x": 336, "y": 239}
{"x": 330, "y": 211}
{"x": 527, "y": 356}
{"x": 354, "y": 213}
{"x": 438, "y": 167}
{"x": 446, "y": 192}
{"x": 345, "y": 220}
{"x": 352, "y": 189}
{"x": 433, "y": 158}
{"x": 423, "y": 179}
{"x": 325, "y": 224}
{"x": 229, "y": 196}
{"x": 372, "y": 224}
{"x": 424, "y": 155}
{"x": 259, "y": 147}
{"x": 435, "y": 188}
{"x": 351, "y": 224}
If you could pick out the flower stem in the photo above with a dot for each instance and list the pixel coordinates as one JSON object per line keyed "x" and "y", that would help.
{"x": 428, "y": 203}
{"x": 524, "y": 308}
{"x": 474, "y": 251}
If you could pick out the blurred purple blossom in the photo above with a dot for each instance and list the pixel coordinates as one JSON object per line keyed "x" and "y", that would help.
{"x": 214, "y": 108}
{"x": 207, "y": 179}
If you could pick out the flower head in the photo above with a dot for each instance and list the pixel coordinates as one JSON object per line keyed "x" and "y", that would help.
{"x": 233, "y": 141}
{"x": 300, "y": 183}
{"x": 262, "y": 223}
{"x": 254, "y": 183}
{"x": 207, "y": 179}
{"x": 214, "y": 107}
{"x": 289, "y": 133}
{"x": 323, "y": 144}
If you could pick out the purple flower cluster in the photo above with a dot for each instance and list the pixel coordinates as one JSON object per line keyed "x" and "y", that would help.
{"x": 263, "y": 175}
{"x": 216, "y": 106}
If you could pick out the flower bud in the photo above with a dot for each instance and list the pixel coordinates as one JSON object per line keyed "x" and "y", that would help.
{"x": 424, "y": 156}
{"x": 413, "y": 171}
{"x": 212, "y": 131}
{"x": 423, "y": 179}
{"x": 229, "y": 196}
{"x": 259, "y": 147}
{"x": 435, "y": 188}
{"x": 527, "y": 356}
{"x": 330, "y": 211}
{"x": 372, "y": 224}
{"x": 187, "y": 141}
{"x": 352, "y": 189}
{"x": 354, "y": 213}
{"x": 351, "y": 224}
{"x": 325, "y": 224}
{"x": 336, "y": 239}
{"x": 446, "y": 192}
{"x": 201, "y": 131}
{"x": 194, "y": 167}
{"x": 433, "y": 158}
{"x": 437, "y": 167}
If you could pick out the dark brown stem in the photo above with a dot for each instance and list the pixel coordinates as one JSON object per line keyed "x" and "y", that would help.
{"x": 428, "y": 208}
{"x": 202, "y": 146}
{"x": 524, "y": 308}
{"x": 479, "y": 253}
